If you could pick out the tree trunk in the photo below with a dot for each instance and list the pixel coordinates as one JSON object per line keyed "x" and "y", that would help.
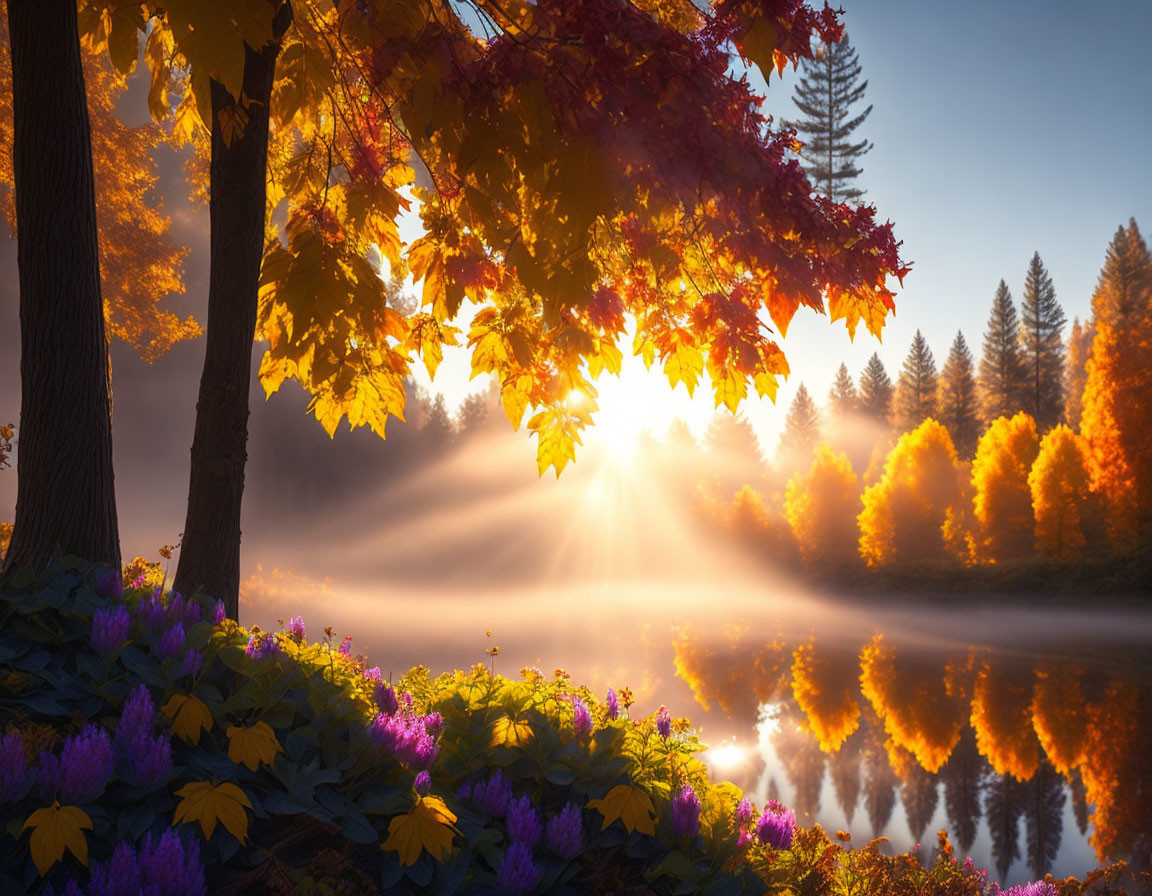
{"x": 66, "y": 501}
{"x": 210, "y": 551}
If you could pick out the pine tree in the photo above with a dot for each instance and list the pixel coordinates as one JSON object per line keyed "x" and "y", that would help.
{"x": 1002, "y": 375}
{"x": 801, "y": 426}
{"x": 1118, "y": 394}
{"x": 842, "y": 397}
{"x": 1041, "y": 322}
{"x": 1076, "y": 369}
{"x": 916, "y": 387}
{"x": 828, "y": 88}
{"x": 876, "y": 390}
{"x": 959, "y": 410}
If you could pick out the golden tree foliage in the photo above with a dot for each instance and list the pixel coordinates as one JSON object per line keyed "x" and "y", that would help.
{"x": 822, "y": 685}
{"x": 1002, "y": 500}
{"x": 1002, "y": 718}
{"x": 910, "y": 514}
{"x": 140, "y": 266}
{"x": 1118, "y": 393}
{"x": 1062, "y": 502}
{"x": 1059, "y": 714}
{"x": 739, "y": 675}
{"x": 821, "y": 506}
{"x": 545, "y": 200}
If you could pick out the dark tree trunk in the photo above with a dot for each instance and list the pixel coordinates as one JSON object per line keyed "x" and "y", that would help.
{"x": 210, "y": 551}
{"x": 66, "y": 502}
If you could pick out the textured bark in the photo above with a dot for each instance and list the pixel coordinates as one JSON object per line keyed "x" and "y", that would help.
{"x": 65, "y": 501}
{"x": 210, "y": 551}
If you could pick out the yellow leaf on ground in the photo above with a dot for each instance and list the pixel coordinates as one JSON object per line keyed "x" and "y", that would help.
{"x": 630, "y": 804}
{"x": 55, "y": 829}
{"x": 189, "y": 716}
{"x": 429, "y": 826}
{"x": 207, "y": 803}
{"x": 252, "y": 745}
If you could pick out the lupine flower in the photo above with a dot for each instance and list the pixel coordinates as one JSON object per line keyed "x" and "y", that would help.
{"x": 191, "y": 663}
{"x": 743, "y": 839}
{"x": 261, "y": 645}
{"x": 219, "y": 614}
{"x": 465, "y": 791}
{"x": 186, "y": 612}
{"x": 373, "y": 674}
{"x": 83, "y": 769}
{"x": 1036, "y": 888}
{"x": 13, "y": 766}
{"x": 168, "y": 867}
{"x": 109, "y": 583}
{"x": 139, "y": 581}
{"x": 346, "y": 646}
{"x": 613, "y": 705}
{"x": 743, "y": 812}
{"x": 120, "y": 875}
{"x": 517, "y": 873}
{"x": 386, "y": 699}
{"x": 686, "y": 812}
{"x": 564, "y": 832}
{"x": 149, "y": 758}
{"x": 493, "y": 795}
{"x": 151, "y": 611}
{"x": 406, "y": 737}
{"x": 523, "y": 821}
{"x": 433, "y": 724}
{"x": 581, "y": 719}
{"x": 110, "y": 628}
{"x": 406, "y": 698}
{"x": 70, "y": 889}
{"x": 296, "y": 629}
{"x": 172, "y": 642}
{"x": 137, "y": 717}
{"x": 423, "y": 783}
{"x": 776, "y": 826}
{"x": 664, "y": 723}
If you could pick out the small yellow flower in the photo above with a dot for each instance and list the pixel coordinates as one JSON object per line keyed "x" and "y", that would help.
{"x": 207, "y": 803}
{"x": 429, "y": 826}
{"x": 252, "y": 745}
{"x": 189, "y": 717}
{"x": 55, "y": 829}
{"x": 630, "y": 804}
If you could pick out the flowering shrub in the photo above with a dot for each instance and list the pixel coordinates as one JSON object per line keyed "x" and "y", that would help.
{"x": 150, "y": 745}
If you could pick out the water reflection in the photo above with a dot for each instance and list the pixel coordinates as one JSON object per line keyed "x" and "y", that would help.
{"x": 1020, "y": 745}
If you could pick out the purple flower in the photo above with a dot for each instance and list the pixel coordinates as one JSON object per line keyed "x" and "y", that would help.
{"x": 433, "y": 724}
{"x": 743, "y": 812}
{"x": 346, "y": 646}
{"x": 172, "y": 642}
{"x": 686, "y": 812}
{"x": 296, "y": 629}
{"x": 406, "y": 698}
{"x": 120, "y": 875}
{"x": 183, "y": 611}
{"x": 613, "y": 705}
{"x": 219, "y": 614}
{"x": 423, "y": 783}
{"x": 168, "y": 867}
{"x": 465, "y": 791}
{"x": 13, "y": 766}
{"x": 523, "y": 821}
{"x": 564, "y": 832}
{"x": 1036, "y": 888}
{"x": 776, "y": 826}
{"x": 386, "y": 699}
{"x": 136, "y": 718}
{"x": 109, "y": 583}
{"x": 110, "y": 628}
{"x": 83, "y": 769}
{"x": 581, "y": 719}
{"x": 148, "y": 758}
{"x": 406, "y": 737}
{"x": 151, "y": 611}
{"x": 261, "y": 645}
{"x": 517, "y": 873}
{"x": 70, "y": 889}
{"x": 493, "y": 795}
{"x": 372, "y": 674}
{"x": 139, "y": 581}
{"x": 664, "y": 723}
{"x": 191, "y": 663}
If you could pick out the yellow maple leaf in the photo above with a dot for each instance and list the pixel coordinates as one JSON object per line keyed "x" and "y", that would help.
{"x": 55, "y": 829}
{"x": 207, "y": 803}
{"x": 629, "y": 803}
{"x": 252, "y": 745}
{"x": 511, "y": 733}
{"x": 429, "y": 826}
{"x": 189, "y": 716}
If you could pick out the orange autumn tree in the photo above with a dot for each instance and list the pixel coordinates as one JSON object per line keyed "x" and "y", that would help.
{"x": 910, "y": 514}
{"x": 821, "y": 506}
{"x": 1062, "y": 503}
{"x": 140, "y": 265}
{"x": 574, "y": 165}
{"x": 1117, "y": 401}
{"x": 1003, "y": 500}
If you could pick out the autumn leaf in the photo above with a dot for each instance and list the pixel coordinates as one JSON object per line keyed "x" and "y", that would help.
{"x": 189, "y": 716}
{"x": 511, "y": 733}
{"x": 252, "y": 745}
{"x": 429, "y": 826}
{"x": 630, "y": 804}
{"x": 207, "y": 803}
{"x": 55, "y": 829}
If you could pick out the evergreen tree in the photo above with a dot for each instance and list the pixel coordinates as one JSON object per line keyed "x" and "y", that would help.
{"x": 959, "y": 410}
{"x": 801, "y": 426}
{"x": 842, "y": 398}
{"x": 436, "y": 425}
{"x": 1076, "y": 369}
{"x": 876, "y": 390}
{"x": 916, "y": 387}
{"x": 828, "y": 88}
{"x": 1002, "y": 375}
{"x": 1041, "y": 322}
